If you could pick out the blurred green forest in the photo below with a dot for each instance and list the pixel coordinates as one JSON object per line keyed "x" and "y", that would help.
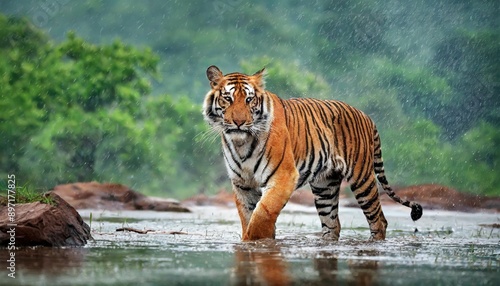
{"x": 112, "y": 90}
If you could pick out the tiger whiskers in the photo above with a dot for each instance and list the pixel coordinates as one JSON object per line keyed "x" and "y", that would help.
{"x": 207, "y": 137}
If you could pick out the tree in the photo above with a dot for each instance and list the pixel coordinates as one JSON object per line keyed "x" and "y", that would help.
{"x": 427, "y": 76}
{"x": 65, "y": 102}
{"x": 477, "y": 164}
{"x": 288, "y": 80}
{"x": 189, "y": 156}
{"x": 23, "y": 49}
{"x": 469, "y": 62}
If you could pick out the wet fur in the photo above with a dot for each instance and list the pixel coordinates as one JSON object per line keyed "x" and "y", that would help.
{"x": 273, "y": 146}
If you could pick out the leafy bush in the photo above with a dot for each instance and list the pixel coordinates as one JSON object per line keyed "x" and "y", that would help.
{"x": 96, "y": 109}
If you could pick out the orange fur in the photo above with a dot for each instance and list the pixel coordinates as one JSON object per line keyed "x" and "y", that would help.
{"x": 272, "y": 146}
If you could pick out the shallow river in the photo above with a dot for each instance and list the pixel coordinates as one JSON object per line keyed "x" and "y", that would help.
{"x": 204, "y": 248}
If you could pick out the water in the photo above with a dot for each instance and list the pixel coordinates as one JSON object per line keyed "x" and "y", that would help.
{"x": 449, "y": 248}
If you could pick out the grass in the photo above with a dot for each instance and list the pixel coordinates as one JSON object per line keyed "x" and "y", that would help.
{"x": 25, "y": 195}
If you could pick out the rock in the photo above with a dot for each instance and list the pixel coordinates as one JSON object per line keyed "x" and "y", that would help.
{"x": 57, "y": 224}
{"x": 222, "y": 198}
{"x": 160, "y": 205}
{"x": 302, "y": 197}
{"x": 109, "y": 196}
{"x": 226, "y": 198}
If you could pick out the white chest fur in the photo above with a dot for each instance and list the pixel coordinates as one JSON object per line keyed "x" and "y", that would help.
{"x": 245, "y": 158}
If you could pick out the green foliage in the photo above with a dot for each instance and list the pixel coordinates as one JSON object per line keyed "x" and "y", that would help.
{"x": 469, "y": 61}
{"x": 106, "y": 75}
{"x": 81, "y": 146}
{"x": 26, "y": 195}
{"x": 422, "y": 160}
{"x": 189, "y": 160}
{"x": 84, "y": 108}
{"x": 22, "y": 47}
{"x": 351, "y": 30}
{"x": 288, "y": 80}
{"x": 80, "y": 108}
{"x": 418, "y": 90}
{"x": 478, "y": 160}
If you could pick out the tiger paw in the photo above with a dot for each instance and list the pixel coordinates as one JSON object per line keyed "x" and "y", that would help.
{"x": 256, "y": 232}
{"x": 259, "y": 234}
{"x": 376, "y": 236}
{"x": 331, "y": 235}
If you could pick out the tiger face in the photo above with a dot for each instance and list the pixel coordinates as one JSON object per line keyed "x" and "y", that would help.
{"x": 236, "y": 104}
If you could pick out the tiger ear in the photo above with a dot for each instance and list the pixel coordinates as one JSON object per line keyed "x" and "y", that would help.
{"x": 259, "y": 77}
{"x": 214, "y": 75}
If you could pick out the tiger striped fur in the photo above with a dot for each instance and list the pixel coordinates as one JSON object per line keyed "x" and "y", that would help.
{"x": 273, "y": 146}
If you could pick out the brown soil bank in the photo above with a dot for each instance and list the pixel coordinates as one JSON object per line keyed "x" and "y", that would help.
{"x": 108, "y": 196}
{"x": 432, "y": 196}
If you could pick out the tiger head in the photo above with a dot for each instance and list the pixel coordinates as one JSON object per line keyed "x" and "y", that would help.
{"x": 237, "y": 104}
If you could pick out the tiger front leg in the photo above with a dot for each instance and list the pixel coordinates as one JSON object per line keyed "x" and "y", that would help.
{"x": 246, "y": 199}
{"x": 262, "y": 223}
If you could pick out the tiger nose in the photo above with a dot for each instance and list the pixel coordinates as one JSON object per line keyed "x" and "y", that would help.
{"x": 239, "y": 122}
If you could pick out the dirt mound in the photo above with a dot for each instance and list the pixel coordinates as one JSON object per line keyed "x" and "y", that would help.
{"x": 430, "y": 196}
{"x": 433, "y": 196}
{"x": 223, "y": 198}
{"x": 226, "y": 198}
{"x": 110, "y": 196}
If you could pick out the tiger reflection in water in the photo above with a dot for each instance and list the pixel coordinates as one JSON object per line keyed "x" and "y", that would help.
{"x": 263, "y": 263}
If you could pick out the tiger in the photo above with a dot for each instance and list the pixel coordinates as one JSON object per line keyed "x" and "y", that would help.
{"x": 273, "y": 146}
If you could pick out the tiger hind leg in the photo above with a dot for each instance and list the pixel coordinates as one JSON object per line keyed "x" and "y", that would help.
{"x": 366, "y": 194}
{"x": 326, "y": 200}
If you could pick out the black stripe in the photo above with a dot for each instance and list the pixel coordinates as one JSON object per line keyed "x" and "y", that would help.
{"x": 368, "y": 204}
{"x": 324, "y": 213}
{"x": 209, "y": 110}
{"x": 355, "y": 154}
{"x": 319, "y": 166}
{"x": 232, "y": 152}
{"x": 310, "y": 148}
{"x": 375, "y": 215}
{"x": 279, "y": 164}
{"x": 366, "y": 192}
{"x": 243, "y": 188}
{"x": 303, "y": 177}
{"x": 229, "y": 166}
{"x": 324, "y": 225}
{"x": 262, "y": 154}
{"x": 326, "y": 195}
{"x": 368, "y": 168}
{"x": 251, "y": 149}
{"x": 342, "y": 131}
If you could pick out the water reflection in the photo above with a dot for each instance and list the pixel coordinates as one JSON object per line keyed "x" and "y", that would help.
{"x": 363, "y": 271}
{"x": 264, "y": 263}
{"x": 326, "y": 264}
{"x": 48, "y": 261}
{"x": 260, "y": 263}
